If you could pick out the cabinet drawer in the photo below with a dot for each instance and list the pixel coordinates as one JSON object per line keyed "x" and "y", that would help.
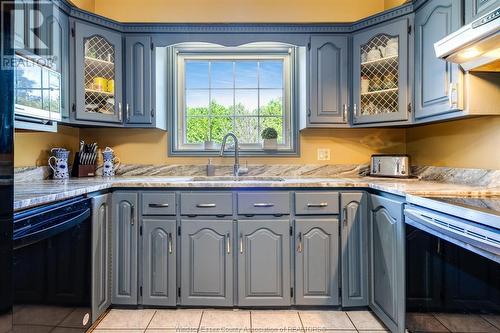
{"x": 207, "y": 203}
{"x": 158, "y": 203}
{"x": 307, "y": 203}
{"x": 255, "y": 203}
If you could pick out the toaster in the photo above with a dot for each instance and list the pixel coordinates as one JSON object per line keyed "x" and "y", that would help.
{"x": 390, "y": 166}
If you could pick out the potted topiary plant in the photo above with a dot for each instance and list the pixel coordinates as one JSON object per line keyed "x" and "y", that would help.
{"x": 270, "y": 137}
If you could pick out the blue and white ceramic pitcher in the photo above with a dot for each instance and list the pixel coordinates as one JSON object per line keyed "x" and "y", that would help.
{"x": 110, "y": 162}
{"x": 58, "y": 162}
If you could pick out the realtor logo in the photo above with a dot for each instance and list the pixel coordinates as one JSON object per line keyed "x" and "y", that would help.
{"x": 32, "y": 31}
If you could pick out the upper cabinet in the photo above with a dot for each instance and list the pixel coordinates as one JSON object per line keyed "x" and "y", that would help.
{"x": 380, "y": 74}
{"x": 138, "y": 108}
{"x": 477, "y": 8}
{"x": 437, "y": 82}
{"x": 56, "y": 28}
{"x": 328, "y": 81}
{"x": 98, "y": 74}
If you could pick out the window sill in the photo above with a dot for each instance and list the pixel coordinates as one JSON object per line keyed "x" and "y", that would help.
{"x": 229, "y": 153}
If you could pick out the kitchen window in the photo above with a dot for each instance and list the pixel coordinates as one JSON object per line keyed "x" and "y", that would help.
{"x": 242, "y": 90}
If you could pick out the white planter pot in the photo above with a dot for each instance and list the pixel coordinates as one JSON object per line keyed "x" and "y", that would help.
{"x": 209, "y": 145}
{"x": 270, "y": 144}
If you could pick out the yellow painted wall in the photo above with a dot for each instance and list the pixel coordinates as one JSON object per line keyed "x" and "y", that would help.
{"x": 32, "y": 148}
{"x": 470, "y": 143}
{"x": 346, "y": 146}
{"x": 237, "y": 10}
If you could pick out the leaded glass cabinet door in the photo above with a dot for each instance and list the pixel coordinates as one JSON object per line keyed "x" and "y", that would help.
{"x": 380, "y": 74}
{"x": 98, "y": 63}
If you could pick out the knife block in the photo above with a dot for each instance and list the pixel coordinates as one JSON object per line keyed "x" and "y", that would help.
{"x": 80, "y": 170}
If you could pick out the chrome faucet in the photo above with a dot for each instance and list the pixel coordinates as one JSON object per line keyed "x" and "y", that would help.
{"x": 236, "y": 167}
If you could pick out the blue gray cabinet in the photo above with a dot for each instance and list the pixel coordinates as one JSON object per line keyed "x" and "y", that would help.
{"x": 138, "y": 108}
{"x": 354, "y": 249}
{"x": 477, "y": 8}
{"x": 206, "y": 262}
{"x": 125, "y": 236}
{"x": 436, "y": 80}
{"x": 101, "y": 255}
{"x": 264, "y": 262}
{"x": 380, "y": 73}
{"x": 328, "y": 80}
{"x": 159, "y": 261}
{"x": 57, "y": 30}
{"x": 97, "y": 62}
{"x": 317, "y": 261}
{"x": 387, "y": 261}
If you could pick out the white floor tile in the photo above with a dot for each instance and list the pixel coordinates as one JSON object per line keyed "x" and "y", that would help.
{"x": 126, "y": 319}
{"x": 225, "y": 320}
{"x": 263, "y": 321}
{"x": 325, "y": 320}
{"x": 365, "y": 320}
{"x": 180, "y": 320}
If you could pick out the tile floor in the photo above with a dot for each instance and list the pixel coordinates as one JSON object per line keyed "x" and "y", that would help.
{"x": 242, "y": 321}
{"x": 283, "y": 321}
{"x": 451, "y": 322}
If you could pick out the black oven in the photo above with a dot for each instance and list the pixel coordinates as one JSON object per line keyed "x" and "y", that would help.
{"x": 52, "y": 267}
{"x": 452, "y": 268}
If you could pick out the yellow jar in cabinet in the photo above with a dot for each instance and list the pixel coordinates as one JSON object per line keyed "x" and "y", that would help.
{"x": 111, "y": 86}
{"x": 100, "y": 84}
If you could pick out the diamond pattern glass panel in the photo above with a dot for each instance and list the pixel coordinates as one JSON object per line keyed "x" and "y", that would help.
{"x": 379, "y": 75}
{"x": 99, "y": 76}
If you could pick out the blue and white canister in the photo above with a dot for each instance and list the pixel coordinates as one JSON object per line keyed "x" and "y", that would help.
{"x": 58, "y": 162}
{"x": 110, "y": 163}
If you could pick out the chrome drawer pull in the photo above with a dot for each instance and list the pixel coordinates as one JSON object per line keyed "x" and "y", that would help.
{"x": 158, "y": 205}
{"x": 206, "y": 205}
{"x": 263, "y": 204}
{"x": 320, "y": 205}
{"x": 241, "y": 243}
{"x": 228, "y": 243}
{"x": 170, "y": 243}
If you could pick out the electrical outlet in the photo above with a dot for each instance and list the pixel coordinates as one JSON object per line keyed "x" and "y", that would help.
{"x": 323, "y": 154}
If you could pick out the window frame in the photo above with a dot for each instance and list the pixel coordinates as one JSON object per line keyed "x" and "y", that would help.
{"x": 254, "y": 51}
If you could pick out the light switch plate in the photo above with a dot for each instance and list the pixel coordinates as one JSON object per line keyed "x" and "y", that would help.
{"x": 323, "y": 154}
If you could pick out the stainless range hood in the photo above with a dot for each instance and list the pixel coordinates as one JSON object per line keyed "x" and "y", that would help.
{"x": 475, "y": 46}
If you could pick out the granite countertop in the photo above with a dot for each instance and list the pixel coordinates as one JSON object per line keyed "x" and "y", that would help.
{"x": 38, "y": 192}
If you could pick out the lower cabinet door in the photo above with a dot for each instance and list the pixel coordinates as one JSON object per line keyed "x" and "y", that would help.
{"x": 354, "y": 249}
{"x": 206, "y": 262}
{"x": 125, "y": 236}
{"x": 158, "y": 260}
{"x": 387, "y": 262}
{"x": 317, "y": 261}
{"x": 264, "y": 262}
{"x": 101, "y": 255}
